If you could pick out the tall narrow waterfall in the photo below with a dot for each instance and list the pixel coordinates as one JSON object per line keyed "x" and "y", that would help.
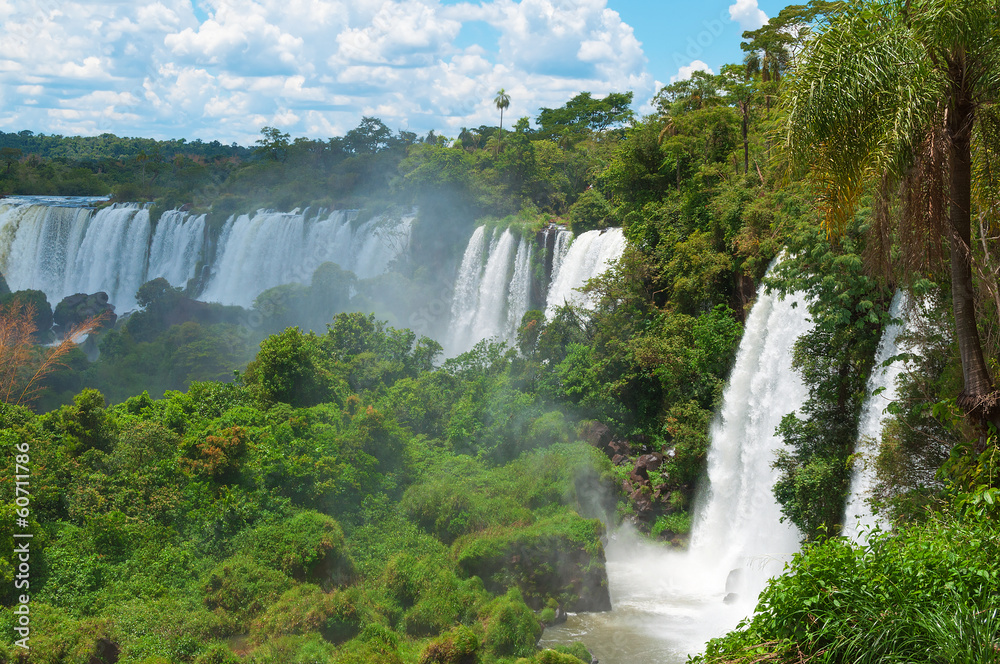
{"x": 858, "y": 516}
{"x": 559, "y": 250}
{"x": 738, "y": 525}
{"x": 667, "y": 603}
{"x": 61, "y": 247}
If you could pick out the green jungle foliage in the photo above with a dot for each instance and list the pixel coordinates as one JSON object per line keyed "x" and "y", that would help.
{"x": 269, "y": 488}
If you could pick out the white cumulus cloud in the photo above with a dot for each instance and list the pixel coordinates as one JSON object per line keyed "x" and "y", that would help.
{"x": 747, "y": 14}
{"x": 684, "y": 73}
{"x": 310, "y": 67}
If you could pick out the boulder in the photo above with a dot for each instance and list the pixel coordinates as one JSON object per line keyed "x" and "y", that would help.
{"x": 642, "y": 501}
{"x": 649, "y": 461}
{"x": 617, "y": 446}
{"x": 595, "y": 433}
{"x": 77, "y": 308}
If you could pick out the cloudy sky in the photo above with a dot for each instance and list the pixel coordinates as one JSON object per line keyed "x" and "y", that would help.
{"x": 221, "y": 69}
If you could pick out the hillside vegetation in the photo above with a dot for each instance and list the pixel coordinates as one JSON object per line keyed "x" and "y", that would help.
{"x": 350, "y": 496}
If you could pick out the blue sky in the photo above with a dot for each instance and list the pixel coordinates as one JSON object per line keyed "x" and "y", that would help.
{"x": 221, "y": 69}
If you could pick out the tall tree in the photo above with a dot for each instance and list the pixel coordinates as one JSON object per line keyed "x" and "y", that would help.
{"x": 740, "y": 90}
{"x": 502, "y": 101}
{"x": 893, "y": 92}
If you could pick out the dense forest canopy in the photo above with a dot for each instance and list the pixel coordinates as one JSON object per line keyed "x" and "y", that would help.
{"x": 329, "y": 487}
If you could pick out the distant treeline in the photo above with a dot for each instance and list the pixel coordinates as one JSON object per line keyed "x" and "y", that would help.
{"x": 109, "y": 146}
{"x": 486, "y": 170}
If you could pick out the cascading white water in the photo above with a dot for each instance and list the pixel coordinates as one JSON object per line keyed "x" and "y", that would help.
{"x": 588, "y": 256}
{"x": 465, "y": 301}
{"x": 112, "y": 256}
{"x": 64, "y": 250}
{"x": 493, "y": 288}
{"x": 738, "y": 524}
{"x": 667, "y": 604}
{"x": 519, "y": 297}
{"x": 60, "y": 246}
{"x": 176, "y": 247}
{"x": 483, "y": 292}
{"x": 267, "y": 249}
{"x": 559, "y": 248}
{"x": 490, "y": 319}
{"x": 858, "y": 516}
{"x": 38, "y": 245}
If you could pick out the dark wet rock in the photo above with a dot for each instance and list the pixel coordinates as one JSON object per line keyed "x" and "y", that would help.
{"x": 80, "y": 307}
{"x": 596, "y": 433}
{"x": 649, "y": 462}
{"x": 617, "y": 446}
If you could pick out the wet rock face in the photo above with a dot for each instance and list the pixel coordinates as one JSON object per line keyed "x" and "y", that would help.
{"x": 75, "y": 309}
{"x": 596, "y": 433}
{"x": 560, "y": 558}
{"x": 647, "y": 502}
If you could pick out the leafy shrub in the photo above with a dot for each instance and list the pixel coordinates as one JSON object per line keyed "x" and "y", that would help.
{"x": 308, "y": 547}
{"x": 924, "y": 594}
{"x": 375, "y": 645}
{"x": 291, "y": 367}
{"x": 511, "y": 629}
{"x": 560, "y": 557}
{"x": 243, "y": 587}
{"x": 336, "y": 616}
{"x": 459, "y": 646}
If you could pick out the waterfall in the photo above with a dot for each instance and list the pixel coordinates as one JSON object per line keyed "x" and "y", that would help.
{"x": 668, "y": 603}
{"x": 519, "y": 298}
{"x": 738, "y": 524}
{"x": 112, "y": 256}
{"x": 493, "y": 287}
{"x": 176, "y": 247}
{"x": 270, "y": 248}
{"x": 858, "y": 517}
{"x": 38, "y": 245}
{"x": 484, "y": 294}
{"x": 61, "y": 246}
{"x": 588, "y": 256}
{"x": 465, "y": 301}
{"x": 65, "y": 250}
{"x": 559, "y": 248}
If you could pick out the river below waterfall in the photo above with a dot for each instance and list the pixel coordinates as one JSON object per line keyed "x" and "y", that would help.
{"x": 667, "y": 605}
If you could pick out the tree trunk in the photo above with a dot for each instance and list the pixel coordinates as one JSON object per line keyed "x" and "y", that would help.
{"x": 977, "y": 399}
{"x": 746, "y": 143}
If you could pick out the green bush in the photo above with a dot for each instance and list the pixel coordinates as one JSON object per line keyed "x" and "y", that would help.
{"x": 459, "y": 646}
{"x": 560, "y": 557}
{"x": 242, "y": 587}
{"x": 308, "y": 547}
{"x": 336, "y": 616}
{"x": 927, "y": 593}
{"x": 511, "y": 629}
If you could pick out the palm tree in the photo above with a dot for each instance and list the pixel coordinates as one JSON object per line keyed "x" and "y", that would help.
{"x": 502, "y": 101}
{"x": 894, "y": 92}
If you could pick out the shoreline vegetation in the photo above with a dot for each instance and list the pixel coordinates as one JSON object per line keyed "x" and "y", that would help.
{"x": 324, "y": 486}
